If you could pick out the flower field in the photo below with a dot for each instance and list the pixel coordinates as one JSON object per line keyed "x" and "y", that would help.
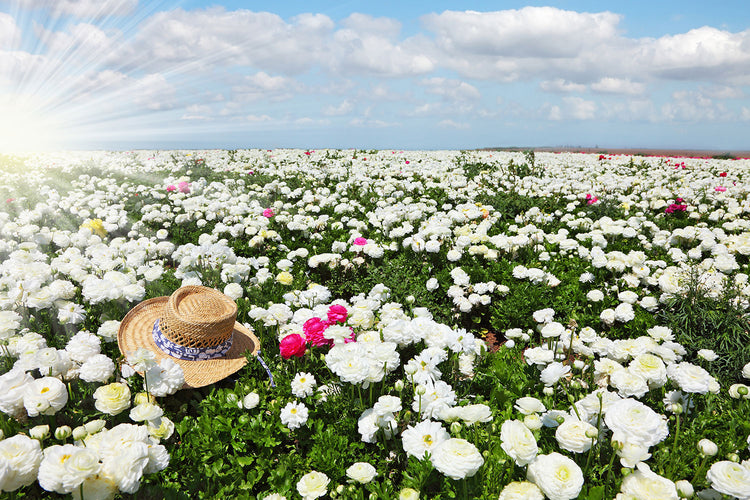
{"x": 435, "y": 324}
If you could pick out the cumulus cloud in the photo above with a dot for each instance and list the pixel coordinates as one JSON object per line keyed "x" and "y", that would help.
{"x": 10, "y": 34}
{"x": 344, "y": 108}
{"x": 452, "y": 90}
{"x": 578, "y": 108}
{"x": 448, "y": 123}
{"x": 559, "y": 85}
{"x": 609, "y": 85}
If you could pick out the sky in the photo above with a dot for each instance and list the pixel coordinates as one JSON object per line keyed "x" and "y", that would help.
{"x": 194, "y": 74}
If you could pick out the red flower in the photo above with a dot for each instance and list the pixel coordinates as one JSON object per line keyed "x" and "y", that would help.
{"x": 337, "y": 313}
{"x": 292, "y": 345}
{"x": 723, "y": 174}
{"x": 314, "y": 328}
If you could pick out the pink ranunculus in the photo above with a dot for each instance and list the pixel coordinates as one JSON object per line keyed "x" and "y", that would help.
{"x": 593, "y": 200}
{"x": 171, "y": 188}
{"x": 314, "y": 328}
{"x": 268, "y": 213}
{"x": 720, "y": 189}
{"x": 337, "y": 313}
{"x": 292, "y": 345}
{"x": 360, "y": 241}
{"x": 184, "y": 187}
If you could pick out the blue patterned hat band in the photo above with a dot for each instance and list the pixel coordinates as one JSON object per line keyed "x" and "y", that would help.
{"x": 189, "y": 353}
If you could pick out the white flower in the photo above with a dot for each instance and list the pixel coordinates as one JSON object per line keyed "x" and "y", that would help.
{"x": 44, "y": 396}
{"x": 633, "y": 422}
{"x": 162, "y": 428}
{"x": 20, "y": 457}
{"x": 303, "y": 385}
{"x": 518, "y": 442}
{"x": 165, "y": 378}
{"x": 65, "y": 467}
{"x": 108, "y": 330}
{"x": 708, "y": 354}
{"x": 690, "y": 377}
{"x": 361, "y": 472}
{"x": 528, "y": 405}
{"x": 141, "y": 359}
{"x": 542, "y": 315}
{"x": 575, "y": 435}
{"x": 552, "y": 329}
{"x": 746, "y": 371}
{"x": 82, "y": 346}
{"x": 660, "y": 333}
{"x": 595, "y": 296}
{"x": 521, "y": 490}
{"x": 708, "y": 447}
{"x": 557, "y": 476}
{"x": 423, "y": 438}
{"x": 251, "y": 401}
{"x": 112, "y": 399}
{"x": 98, "y": 368}
{"x": 643, "y": 483}
{"x": 294, "y": 415}
{"x": 730, "y": 478}
{"x": 145, "y": 412}
{"x": 233, "y": 291}
{"x": 553, "y": 372}
{"x": 313, "y": 485}
{"x": 457, "y": 458}
{"x": 432, "y": 284}
{"x": 274, "y": 496}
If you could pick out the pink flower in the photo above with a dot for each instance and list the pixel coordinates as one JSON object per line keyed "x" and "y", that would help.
{"x": 593, "y": 200}
{"x": 720, "y": 189}
{"x": 337, "y": 313}
{"x": 268, "y": 213}
{"x": 314, "y": 328}
{"x": 407, "y": 162}
{"x": 723, "y": 174}
{"x": 184, "y": 187}
{"x": 360, "y": 241}
{"x": 292, "y": 345}
{"x": 171, "y": 187}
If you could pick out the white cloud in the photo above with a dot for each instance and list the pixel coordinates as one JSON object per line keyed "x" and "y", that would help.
{"x": 448, "y": 123}
{"x": 559, "y": 85}
{"x": 10, "y": 34}
{"x": 452, "y": 90}
{"x": 344, "y": 108}
{"x": 579, "y": 108}
{"x": 262, "y": 86}
{"x": 694, "y": 106}
{"x": 381, "y": 26}
{"x": 609, "y": 85}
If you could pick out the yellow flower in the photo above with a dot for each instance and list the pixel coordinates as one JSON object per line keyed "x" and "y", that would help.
{"x": 285, "y": 278}
{"x": 96, "y": 226}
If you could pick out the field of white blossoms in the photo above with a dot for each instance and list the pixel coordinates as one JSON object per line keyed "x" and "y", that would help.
{"x": 432, "y": 324}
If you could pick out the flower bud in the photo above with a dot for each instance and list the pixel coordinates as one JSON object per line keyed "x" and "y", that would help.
{"x": 251, "y": 401}
{"x": 408, "y": 494}
{"x": 79, "y": 433}
{"x": 592, "y": 433}
{"x": 676, "y": 408}
{"x": 743, "y": 391}
{"x": 625, "y": 471}
{"x": 548, "y": 391}
{"x": 63, "y": 432}
{"x": 617, "y": 445}
{"x": 399, "y": 385}
{"x": 455, "y": 427}
{"x": 684, "y": 488}
{"x": 421, "y": 390}
{"x": 708, "y": 447}
{"x": 94, "y": 426}
{"x": 39, "y": 432}
{"x": 143, "y": 397}
{"x": 410, "y": 299}
{"x": 232, "y": 398}
{"x": 532, "y": 422}
{"x": 733, "y": 457}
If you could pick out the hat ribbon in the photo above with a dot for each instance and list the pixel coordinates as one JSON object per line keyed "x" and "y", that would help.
{"x": 189, "y": 353}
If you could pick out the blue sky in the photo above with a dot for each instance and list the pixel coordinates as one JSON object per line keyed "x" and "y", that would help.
{"x": 125, "y": 74}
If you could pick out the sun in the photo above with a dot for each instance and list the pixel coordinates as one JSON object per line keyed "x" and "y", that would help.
{"x": 24, "y": 127}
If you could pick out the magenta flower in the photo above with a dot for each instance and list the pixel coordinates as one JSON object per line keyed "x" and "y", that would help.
{"x": 171, "y": 188}
{"x": 184, "y": 187}
{"x": 337, "y": 313}
{"x": 314, "y": 328}
{"x": 720, "y": 189}
{"x": 360, "y": 241}
{"x": 292, "y": 345}
{"x": 268, "y": 213}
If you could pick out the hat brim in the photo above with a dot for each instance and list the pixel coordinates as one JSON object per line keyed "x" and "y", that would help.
{"x": 136, "y": 332}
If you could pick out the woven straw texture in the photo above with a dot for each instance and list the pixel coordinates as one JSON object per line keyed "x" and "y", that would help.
{"x": 192, "y": 309}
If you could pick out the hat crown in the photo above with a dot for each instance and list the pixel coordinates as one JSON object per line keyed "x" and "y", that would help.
{"x": 198, "y": 317}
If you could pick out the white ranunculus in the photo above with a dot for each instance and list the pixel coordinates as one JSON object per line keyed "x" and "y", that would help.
{"x": 557, "y": 476}
{"x": 361, "y": 472}
{"x": 145, "y": 412}
{"x": 633, "y": 422}
{"x": 553, "y": 372}
{"x": 233, "y": 291}
{"x": 423, "y": 438}
{"x": 21, "y": 456}
{"x": 52, "y": 471}
{"x": 730, "y": 478}
{"x": 521, "y": 490}
{"x": 112, "y": 399}
{"x": 690, "y": 377}
{"x": 575, "y": 435}
{"x": 98, "y": 368}
{"x": 528, "y": 405}
{"x": 746, "y": 371}
{"x": 457, "y": 458}
{"x": 44, "y": 396}
{"x": 251, "y": 401}
{"x": 518, "y": 442}
{"x": 294, "y": 415}
{"x": 313, "y": 485}
{"x": 165, "y": 378}
{"x": 643, "y": 483}
{"x": 303, "y": 385}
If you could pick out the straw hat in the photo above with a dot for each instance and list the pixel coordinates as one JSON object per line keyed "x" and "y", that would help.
{"x": 195, "y": 326}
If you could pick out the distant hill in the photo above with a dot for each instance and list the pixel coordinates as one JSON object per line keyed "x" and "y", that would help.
{"x": 682, "y": 153}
